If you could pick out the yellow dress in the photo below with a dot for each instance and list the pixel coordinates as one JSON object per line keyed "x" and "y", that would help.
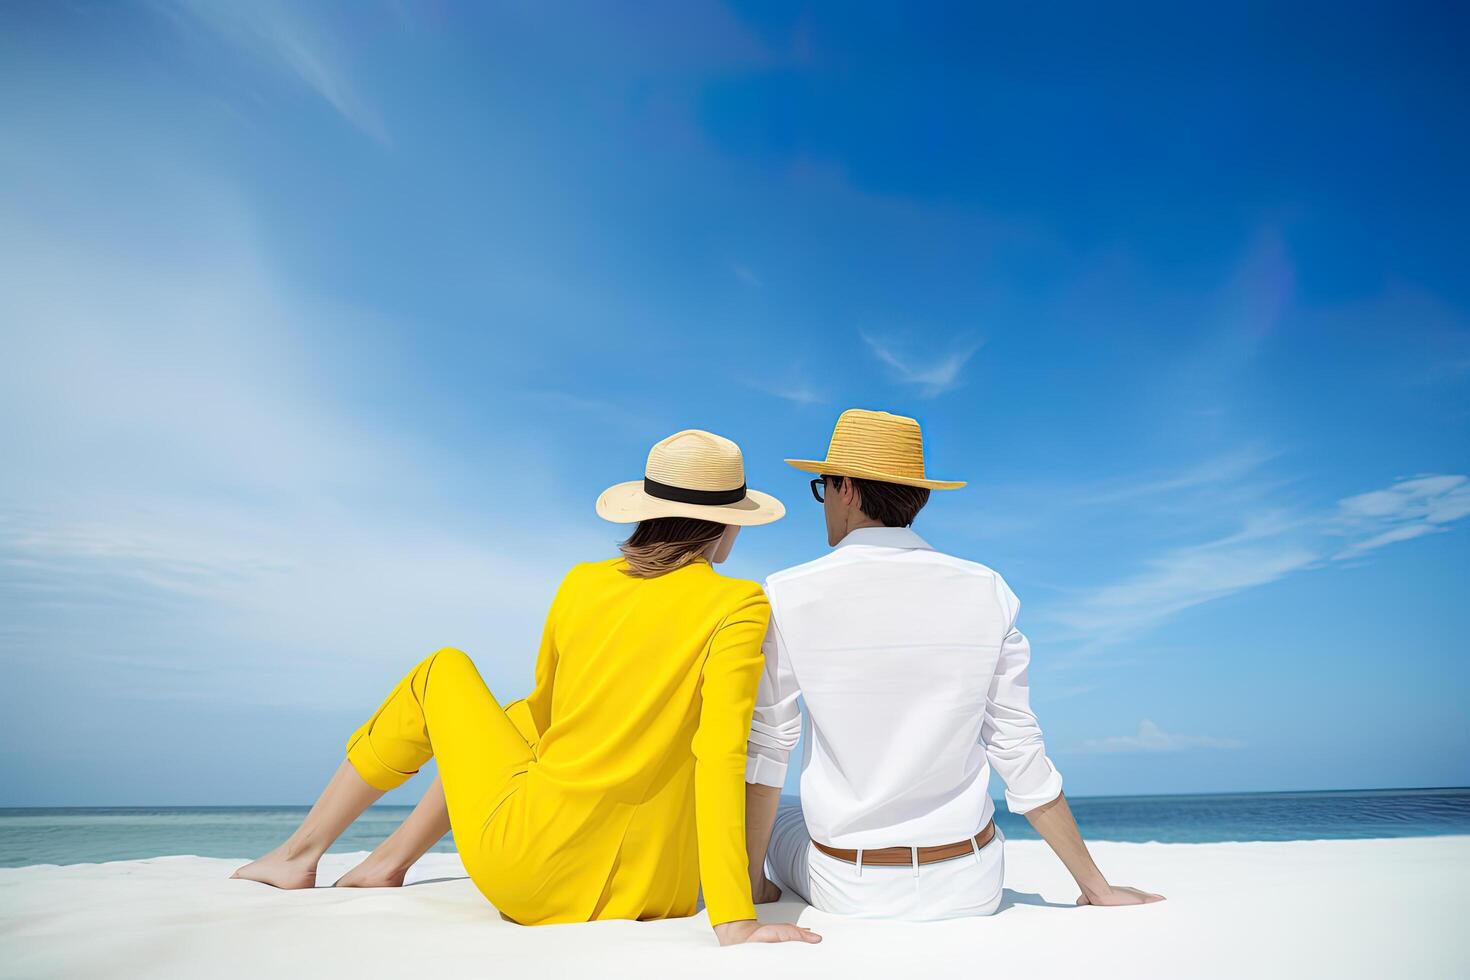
{"x": 618, "y": 786}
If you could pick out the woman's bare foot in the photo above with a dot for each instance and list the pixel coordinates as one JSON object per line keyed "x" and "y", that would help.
{"x": 293, "y": 864}
{"x": 371, "y": 874}
{"x": 388, "y": 865}
{"x": 277, "y": 869}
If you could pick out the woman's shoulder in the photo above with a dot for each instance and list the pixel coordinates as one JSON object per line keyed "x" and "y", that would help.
{"x": 592, "y": 567}
{"x": 697, "y": 576}
{"x": 604, "y": 565}
{"x": 586, "y": 571}
{"x": 739, "y": 591}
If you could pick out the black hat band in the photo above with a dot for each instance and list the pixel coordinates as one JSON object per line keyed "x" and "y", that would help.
{"x": 683, "y": 495}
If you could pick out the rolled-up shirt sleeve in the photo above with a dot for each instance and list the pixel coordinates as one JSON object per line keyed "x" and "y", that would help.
{"x": 1011, "y": 733}
{"x": 776, "y": 725}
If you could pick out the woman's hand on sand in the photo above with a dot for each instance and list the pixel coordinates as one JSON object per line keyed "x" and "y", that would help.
{"x": 1119, "y": 895}
{"x": 751, "y": 931}
{"x": 765, "y": 891}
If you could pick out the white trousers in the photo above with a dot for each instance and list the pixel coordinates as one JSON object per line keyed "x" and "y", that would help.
{"x": 967, "y": 885}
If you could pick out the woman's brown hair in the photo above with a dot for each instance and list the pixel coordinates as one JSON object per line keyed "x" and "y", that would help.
{"x": 661, "y": 544}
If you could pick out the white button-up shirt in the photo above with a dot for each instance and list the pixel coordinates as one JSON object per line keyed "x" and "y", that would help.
{"x": 914, "y": 679}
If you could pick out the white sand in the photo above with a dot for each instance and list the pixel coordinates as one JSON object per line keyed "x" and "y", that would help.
{"x": 1380, "y": 908}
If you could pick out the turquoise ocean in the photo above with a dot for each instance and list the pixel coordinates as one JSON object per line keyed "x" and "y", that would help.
{"x": 72, "y": 835}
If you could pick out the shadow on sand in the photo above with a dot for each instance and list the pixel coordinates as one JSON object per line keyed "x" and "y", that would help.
{"x": 789, "y": 910}
{"x": 1010, "y": 897}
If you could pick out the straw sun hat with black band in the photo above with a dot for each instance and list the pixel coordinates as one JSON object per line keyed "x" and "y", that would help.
{"x": 691, "y": 474}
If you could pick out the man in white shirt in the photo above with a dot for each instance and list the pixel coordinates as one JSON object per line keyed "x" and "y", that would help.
{"x": 913, "y": 675}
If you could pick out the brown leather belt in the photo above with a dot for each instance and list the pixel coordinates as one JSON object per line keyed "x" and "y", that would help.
{"x": 904, "y": 856}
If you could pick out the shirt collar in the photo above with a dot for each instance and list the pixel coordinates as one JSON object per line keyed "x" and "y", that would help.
{"x": 884, "y": 537}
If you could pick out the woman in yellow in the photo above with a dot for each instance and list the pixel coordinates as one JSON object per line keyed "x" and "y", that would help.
{"x": 617, "y": 788}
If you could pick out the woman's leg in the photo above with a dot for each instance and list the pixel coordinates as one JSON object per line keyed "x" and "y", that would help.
{"x": 441, "y": 710}
{"x": 387, "y": 866}
{"x": 293, "y": 864}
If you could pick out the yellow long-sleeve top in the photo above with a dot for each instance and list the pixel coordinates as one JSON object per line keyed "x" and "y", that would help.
{"x": 641, "y": 712}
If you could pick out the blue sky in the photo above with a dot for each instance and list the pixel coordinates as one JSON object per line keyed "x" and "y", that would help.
{"x": 324, "y": 326}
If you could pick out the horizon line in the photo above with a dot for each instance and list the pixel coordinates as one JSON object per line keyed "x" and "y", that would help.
{"x": 784, "y": 796}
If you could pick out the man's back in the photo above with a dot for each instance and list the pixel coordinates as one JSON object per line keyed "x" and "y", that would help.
{"x": 912, "y": 673}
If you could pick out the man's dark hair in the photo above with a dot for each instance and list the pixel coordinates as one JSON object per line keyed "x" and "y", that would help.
{"x": 890, "y": 504}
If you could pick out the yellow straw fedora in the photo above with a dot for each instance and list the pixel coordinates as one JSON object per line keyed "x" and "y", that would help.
{"x": 876, "y": 446}
{"x": 691, "y": 474}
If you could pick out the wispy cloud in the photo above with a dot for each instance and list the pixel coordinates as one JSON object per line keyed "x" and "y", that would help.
{"x": 1219, "y": 470}
{"x": 1408, "y": 509}
{"x": 227, "y": 604}
{"x": 1182, "y": 578}
{"x": 280, "y": 36}
{"x": 932, "y": 377}
{"x": 1266, "y": 546}
{"x": 793, "y": 385}
{"x": 1152, "y": 738}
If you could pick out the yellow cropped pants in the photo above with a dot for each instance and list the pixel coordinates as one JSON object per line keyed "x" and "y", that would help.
{"x": 444, "y": 710}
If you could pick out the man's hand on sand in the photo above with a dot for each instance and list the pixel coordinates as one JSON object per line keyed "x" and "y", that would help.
{"x": 751, "y": 931}
{"x": 1120, "y": 895}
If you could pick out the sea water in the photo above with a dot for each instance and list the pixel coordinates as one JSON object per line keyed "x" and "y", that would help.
{"x": 73, "y": 835}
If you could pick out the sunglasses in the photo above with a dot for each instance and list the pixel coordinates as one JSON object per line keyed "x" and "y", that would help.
{"x": 819, "y": 489}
